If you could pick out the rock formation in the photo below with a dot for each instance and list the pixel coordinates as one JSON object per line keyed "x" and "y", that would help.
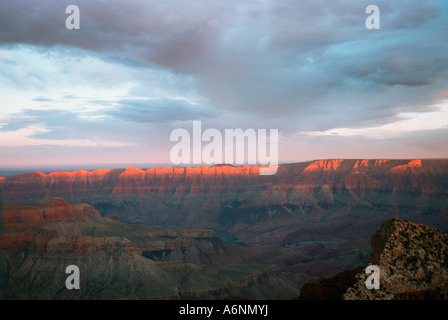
{"x": 230, "y": 199}
{"x": 311, "y": 219}
{"x": 39, "y": 241}
{"x": 332, "y": 288}
{"x": 413, "y": 263}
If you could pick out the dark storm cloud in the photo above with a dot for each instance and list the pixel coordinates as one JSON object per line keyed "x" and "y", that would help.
{"x": 297, "y": 64}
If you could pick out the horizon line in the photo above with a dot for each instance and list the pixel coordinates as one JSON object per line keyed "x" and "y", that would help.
{"x": 8, "y": 171}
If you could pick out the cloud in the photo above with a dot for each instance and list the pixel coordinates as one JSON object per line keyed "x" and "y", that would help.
{"x": 260, "y": 56}
{"x": 408, "y": 122}
{"x": 58, "y": 127}
{"x": 412, "y": 145}
{"x": 140, "y": 68}
{"x": 32, "y": 135}
{"x": 158, "y": 110}
{"x": 42, "y": 99}
{"x": 129, "y": 124}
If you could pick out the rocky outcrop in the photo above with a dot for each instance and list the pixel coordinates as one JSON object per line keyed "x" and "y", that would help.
{"x": 46, "y": 211}
{"x": 329, "y": 288}
{"x": 413, "y": 263}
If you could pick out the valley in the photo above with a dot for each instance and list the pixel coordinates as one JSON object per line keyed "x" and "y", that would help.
{"x": 309, "y": 220}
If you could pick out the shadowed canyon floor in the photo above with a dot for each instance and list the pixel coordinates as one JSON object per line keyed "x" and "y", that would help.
{"x": 310, "y": 220}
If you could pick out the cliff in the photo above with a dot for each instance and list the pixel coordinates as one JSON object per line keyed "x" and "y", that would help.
{"x": 332, "y": 288}
{"x": 356, "y": 177}
{"x": 39, "y": 241}
{"x": 46, "y": 211}
{"x": 313, "y": 219}
{"x": 413, "y": 263}
{"x": 239, "y": 203}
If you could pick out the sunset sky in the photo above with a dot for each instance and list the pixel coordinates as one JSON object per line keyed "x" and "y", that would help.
{"x": 110, "y": 93}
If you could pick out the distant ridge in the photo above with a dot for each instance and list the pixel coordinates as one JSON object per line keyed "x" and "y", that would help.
{"x": 7, "y": 171}
{"x": 299, "y": 193}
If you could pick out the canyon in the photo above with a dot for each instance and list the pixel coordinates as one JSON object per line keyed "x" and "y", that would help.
{"x": 309, "y": 220}
{"x": 120, "y": 260}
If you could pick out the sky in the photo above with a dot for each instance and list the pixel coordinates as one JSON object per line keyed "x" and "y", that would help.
{"x": 110, "y": 93}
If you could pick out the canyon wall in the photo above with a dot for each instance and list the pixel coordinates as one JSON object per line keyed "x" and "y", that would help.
{"x": 312, "y": 218}
{"x": 119, "y": 260}
{"x": 239, "y": 203}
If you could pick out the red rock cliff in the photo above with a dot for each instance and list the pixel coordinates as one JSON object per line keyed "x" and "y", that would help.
{"x": 52, "y": 210}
